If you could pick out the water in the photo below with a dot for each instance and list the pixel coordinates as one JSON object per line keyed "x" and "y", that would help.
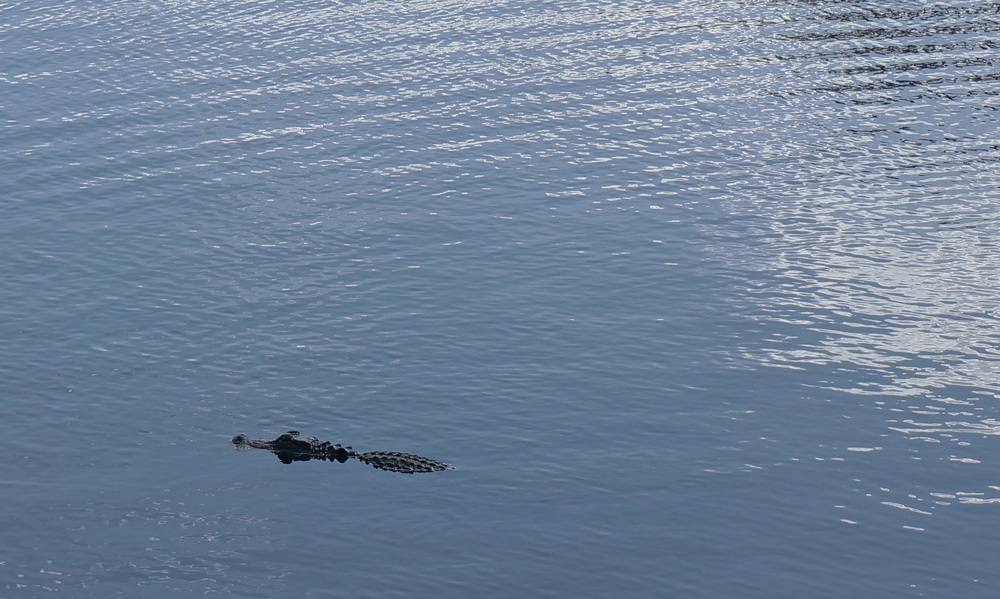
{"x": 699, "y": 298}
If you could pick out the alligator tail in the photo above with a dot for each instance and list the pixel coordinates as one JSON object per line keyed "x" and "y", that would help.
{"x": 395, "y": 461}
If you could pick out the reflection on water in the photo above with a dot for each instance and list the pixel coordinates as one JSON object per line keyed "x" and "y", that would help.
{"x": 874, "y": 206}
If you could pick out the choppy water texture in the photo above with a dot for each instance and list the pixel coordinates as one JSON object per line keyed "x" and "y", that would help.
{"x": 700, "y": 298}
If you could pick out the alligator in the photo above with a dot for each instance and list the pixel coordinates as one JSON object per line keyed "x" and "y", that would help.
{"x": 292, "y": 447}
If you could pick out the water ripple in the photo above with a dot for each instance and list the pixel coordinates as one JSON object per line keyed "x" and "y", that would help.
{"x": 873, "y": 204}
{"x": 533, "y": 225}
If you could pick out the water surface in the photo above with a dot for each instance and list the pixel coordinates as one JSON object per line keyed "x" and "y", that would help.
{"x": 699, "y": 298}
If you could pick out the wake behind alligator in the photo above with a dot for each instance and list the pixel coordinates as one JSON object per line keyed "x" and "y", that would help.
{"x": 291, "y": 447}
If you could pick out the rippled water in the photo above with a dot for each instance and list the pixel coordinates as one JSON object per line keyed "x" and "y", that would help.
{"x": 699, "y": 298}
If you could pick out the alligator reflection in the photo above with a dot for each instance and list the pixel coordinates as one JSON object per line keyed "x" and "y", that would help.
{"x": 291, "y": 447}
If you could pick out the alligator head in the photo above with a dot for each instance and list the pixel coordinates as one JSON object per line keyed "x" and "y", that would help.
{"x": 291, "y": 447}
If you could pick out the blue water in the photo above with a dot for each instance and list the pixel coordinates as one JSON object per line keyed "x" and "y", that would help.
{"x": 699, "y": 298}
